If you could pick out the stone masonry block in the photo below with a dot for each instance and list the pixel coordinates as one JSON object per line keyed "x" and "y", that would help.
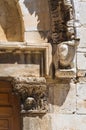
{"x": 55, "y": 122}
{"x": 81, "y": 98}
{"x": 68, "y": 122}
{"x": 81, "y": 60}
{"x": 82, "y": 34}
{"x": 63, "y": 98}
{"x": 82, "y": 10}
{"x": 35, "y": 37}
{"x": 37, "y": 123}
{"x": 34, "y": 15}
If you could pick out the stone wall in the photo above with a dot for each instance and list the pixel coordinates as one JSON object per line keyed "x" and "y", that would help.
{"x": 66, "y": 97}
{"x": 10, "y": 22}
{"x": 35, "y": 19}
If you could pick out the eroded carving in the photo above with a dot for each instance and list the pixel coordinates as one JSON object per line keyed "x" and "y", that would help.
{"x": 33, "y": 93}
{"x": 64, "y": 55}
{"x": 62, "y": 21}
{"x": 63, "y": 37}
{"x": 64, "y": 59}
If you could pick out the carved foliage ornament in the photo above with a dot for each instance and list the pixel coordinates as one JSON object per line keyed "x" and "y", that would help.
{"x": 32, "y": 92}
{"x": 63, "y": 35}
{"x": 62, "y": 20}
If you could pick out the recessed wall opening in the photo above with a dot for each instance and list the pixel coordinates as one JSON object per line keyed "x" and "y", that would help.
{"x": 29, "y": 63}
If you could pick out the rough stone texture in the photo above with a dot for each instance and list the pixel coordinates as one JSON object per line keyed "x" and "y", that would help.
{"x": 34, "y": 54}
{"x": 81, "y": 58}
{"x": 82, "y": 5}
{"x": 36, "y": 20}
{"x": 68, "y": 122}
{"x": 63, "y": 35}
{"x": 81, "y": 98}
{"x": 67, "y": 100}
{"x": 10, "y": 23}
{"x": 33, "y": 93}
{"x": 82, "y": 8}
{"x": 36, "y": 25}
{"x": 82, "y": 37}
{"x": 70, "y": 73}
{"x": 35, "y": 37}
{"x": 63, "y": 98}
{"x": 11, "y": 70}
{"x": 37, "y": 123}
{"x": 55, "y": 122}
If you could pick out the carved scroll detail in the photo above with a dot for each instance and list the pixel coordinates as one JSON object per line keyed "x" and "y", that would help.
{"x": 63, "y": 37}
{"x": 64, "y": 60}
{"x": 64, "y": 55}
{"x": 33, "y": 93}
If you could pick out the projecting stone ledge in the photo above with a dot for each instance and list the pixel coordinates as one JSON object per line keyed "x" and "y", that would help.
{"x": 64, "y": 73}
{"x": 32, "y": 92}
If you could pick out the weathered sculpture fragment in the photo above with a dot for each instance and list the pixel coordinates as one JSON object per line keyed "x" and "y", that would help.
{"x": 63, "y": 38}
{"x": 33, "y": 93}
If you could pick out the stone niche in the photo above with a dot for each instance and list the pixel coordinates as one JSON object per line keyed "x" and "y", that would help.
{"x": 29, "y": 63}
{"x": 25, "y": 59}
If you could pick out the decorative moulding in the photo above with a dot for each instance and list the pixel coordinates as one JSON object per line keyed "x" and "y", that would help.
{"x": 63, "y": 73}
{"x": 23, "y": 47}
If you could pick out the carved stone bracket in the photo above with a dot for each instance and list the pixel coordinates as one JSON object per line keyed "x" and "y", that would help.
{"x": 32, "y": 92}
{"x": 63, "y": 37}
{"x": 64, "y": 60}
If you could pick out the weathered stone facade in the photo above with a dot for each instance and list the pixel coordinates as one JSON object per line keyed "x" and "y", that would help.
{"x": 43, "y": 55}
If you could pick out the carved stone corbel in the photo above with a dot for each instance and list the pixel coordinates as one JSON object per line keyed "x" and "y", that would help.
{"x": 64, "y": 55}
{"x": 63, "y": 38}
{"x": 64, "y": 59}
{"x": 32, "y": 92}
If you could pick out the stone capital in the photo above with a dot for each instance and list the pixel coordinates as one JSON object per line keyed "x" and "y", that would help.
{"x": 32, "y": 92}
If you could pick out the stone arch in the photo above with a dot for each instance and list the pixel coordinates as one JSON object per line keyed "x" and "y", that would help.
{"x": 10, "y": 21}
